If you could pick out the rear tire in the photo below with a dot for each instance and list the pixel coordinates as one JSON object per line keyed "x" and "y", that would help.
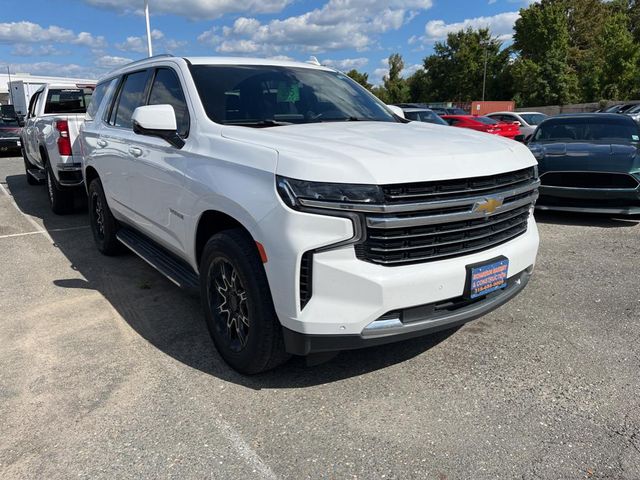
{"x": 237, "y": 302}
{"x": 60, "y": 198}
{"x": 103, "y": 224}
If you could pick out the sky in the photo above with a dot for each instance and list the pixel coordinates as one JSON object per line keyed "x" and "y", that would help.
{"x": 87, "y": 38}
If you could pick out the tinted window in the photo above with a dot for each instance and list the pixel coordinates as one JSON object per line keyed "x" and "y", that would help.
{"x": 166, "y": 90}
{"x": 68, "y": 100}
{"x": 424, "y": 116}
{"x": 131, "y": 97}
{"x": 248, "y": 95}
{"x": 97, "y": 97}
{"x": 9, "y": 122}
{"x": 534, "y": 118}
{"x": 485, "y": 120}
{"x": 588, "y": 130}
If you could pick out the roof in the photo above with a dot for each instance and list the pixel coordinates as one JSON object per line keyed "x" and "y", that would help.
{"x": 516, "y": 113}
{"x": 416, "y": 109}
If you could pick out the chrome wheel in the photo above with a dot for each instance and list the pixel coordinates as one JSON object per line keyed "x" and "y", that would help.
{"x": 228, "y": 298}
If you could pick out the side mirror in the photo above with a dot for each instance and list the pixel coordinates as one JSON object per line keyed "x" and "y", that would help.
{"x": 157, "y": 121}
{"x": 396, "y": 110}
{"x": 520, "y": 138}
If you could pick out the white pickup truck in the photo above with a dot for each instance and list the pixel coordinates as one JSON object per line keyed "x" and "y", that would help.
{"x": 49, "y": 136}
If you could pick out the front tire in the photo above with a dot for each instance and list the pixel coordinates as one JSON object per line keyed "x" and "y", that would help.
{"x": 237, "y": 302}
{"x": 103, "y": 224}
{"x": 60, "y": 198}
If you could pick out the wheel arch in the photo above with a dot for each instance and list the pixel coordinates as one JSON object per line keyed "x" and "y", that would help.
{"x": 90, "y": 174}
{"x": 211, "y": 222}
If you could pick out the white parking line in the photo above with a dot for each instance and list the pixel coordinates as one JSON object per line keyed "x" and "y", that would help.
{"x": 40, "y": 232}
{"x": 28, "y": 217}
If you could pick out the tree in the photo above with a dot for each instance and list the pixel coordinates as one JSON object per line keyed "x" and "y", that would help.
{"x": 361, "y": 78}
{"x": 419, "y": 87}
{"x": 542, "y": 41}
{"x": 395, "y": 86}
{"x": 455, "y": 71}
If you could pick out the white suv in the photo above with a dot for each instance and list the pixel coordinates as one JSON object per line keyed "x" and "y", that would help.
{"x": 310, "y": 217}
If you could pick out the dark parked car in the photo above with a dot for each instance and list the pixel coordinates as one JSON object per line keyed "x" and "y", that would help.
{"x": 634, "y": 113}
{"x": 589, "y": 163}
{"x": 621, "y": 108}
{"x": 9, "y": 135}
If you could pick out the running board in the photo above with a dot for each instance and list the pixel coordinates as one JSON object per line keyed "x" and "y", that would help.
{"x": 171, "y": 267}
{"x": 38, "y": 174}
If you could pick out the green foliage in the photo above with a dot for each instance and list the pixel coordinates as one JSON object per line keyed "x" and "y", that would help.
{"x": 361, "y": 78}
{"x": 563, "y": 51}
{"x": 396, "y": 88}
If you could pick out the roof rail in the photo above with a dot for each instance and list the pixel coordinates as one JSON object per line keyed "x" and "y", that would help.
{"x": 135, "y": 62}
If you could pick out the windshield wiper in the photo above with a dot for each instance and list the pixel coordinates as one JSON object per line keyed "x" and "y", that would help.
{"x": 267, "y": 122}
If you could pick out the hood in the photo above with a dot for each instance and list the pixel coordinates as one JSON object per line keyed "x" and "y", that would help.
{"x": 578, "y": 156}
{"x": 384, "y": 152}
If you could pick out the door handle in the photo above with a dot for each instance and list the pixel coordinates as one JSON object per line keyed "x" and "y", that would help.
{"x": 135, "y": 151}
{"x": 102, "y": 143}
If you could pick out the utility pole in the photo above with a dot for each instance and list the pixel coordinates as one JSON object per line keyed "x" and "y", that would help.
{"x": 10, "y": 87}
{"x": 146, "y": 14}
{"x": 484, "y": 79}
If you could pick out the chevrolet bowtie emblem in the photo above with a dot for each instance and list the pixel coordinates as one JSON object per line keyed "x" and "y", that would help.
{"x": 488, "y": 205}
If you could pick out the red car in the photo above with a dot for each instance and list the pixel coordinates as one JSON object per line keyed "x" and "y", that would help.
{"x": 484, "y": 124}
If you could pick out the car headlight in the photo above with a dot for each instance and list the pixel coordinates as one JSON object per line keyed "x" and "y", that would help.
{"x": 298, "y": 194}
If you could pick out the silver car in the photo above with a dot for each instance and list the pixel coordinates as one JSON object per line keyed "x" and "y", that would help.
{"x": 528, "y": 120}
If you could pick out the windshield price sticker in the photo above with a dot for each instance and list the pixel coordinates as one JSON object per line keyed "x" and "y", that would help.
{"x": 288, "y": 93}
{"x": 488, "y": 278}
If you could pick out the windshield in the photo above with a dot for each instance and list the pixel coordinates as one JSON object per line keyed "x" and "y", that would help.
{"x": 533, "y": 118}
{"x": 68, "y": 100}
{"x": 273, "y": 95}
{"x": 565, "y": 130}
{"x": 425, "y": 116}
{"x": 9, "y": 122}
{"x": 635, "y": 109}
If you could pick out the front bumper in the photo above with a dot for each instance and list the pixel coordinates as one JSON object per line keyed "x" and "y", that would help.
{"x": 425, "y": 319}
{"x": 613, "y": 201}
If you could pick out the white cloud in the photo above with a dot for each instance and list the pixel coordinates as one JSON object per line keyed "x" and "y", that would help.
{"x": 160, "y": 43}
{"x": 346, "y": 63}
{"x": 501, "y": 25}
{"x": 109, "y": 61}
{"x": 353, "y": 24}
{"x": 56, "y": 69}
{"x": 196, "y": 9}
{"x": 29, "y": 32}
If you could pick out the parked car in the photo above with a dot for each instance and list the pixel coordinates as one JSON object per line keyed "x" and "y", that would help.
{"x": 634, "y": 113}
{"x": 484, "y": 124}
{"x": 588, "y": 163}
{"x": 309, "y": 217}
{"x": 423, "y": 115}
{"x": 528, "y": 121}
{"x": 9, "y": 135}
{"x": 51, "y": 153}
{"x": 448, "y": 111}
{"x": 620, "y": 108}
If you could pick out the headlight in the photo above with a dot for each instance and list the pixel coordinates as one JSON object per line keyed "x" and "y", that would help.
{"x": 301, "y": 193}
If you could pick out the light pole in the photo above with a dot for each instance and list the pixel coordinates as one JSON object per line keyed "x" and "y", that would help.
{"x": 484, "y": 78}
{"x": 146, "y": 14}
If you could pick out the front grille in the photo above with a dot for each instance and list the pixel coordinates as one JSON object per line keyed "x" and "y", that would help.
{"x": 439, "y": 220}
{"x": 589, "y": 180}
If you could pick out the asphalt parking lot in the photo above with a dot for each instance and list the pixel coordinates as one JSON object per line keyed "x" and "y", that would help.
{"x": 108, "y": 372}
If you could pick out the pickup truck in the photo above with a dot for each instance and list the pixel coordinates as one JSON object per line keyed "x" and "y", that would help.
{"x": 310, "y": 218}
{"x": 49, "y": 141}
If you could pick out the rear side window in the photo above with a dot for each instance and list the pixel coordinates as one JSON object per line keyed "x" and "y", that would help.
{"x": 68, "y": 100}
{"x": 166, "y": 90}
{"x": 97, "y": 97}
{"x": 131, "y": 97}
